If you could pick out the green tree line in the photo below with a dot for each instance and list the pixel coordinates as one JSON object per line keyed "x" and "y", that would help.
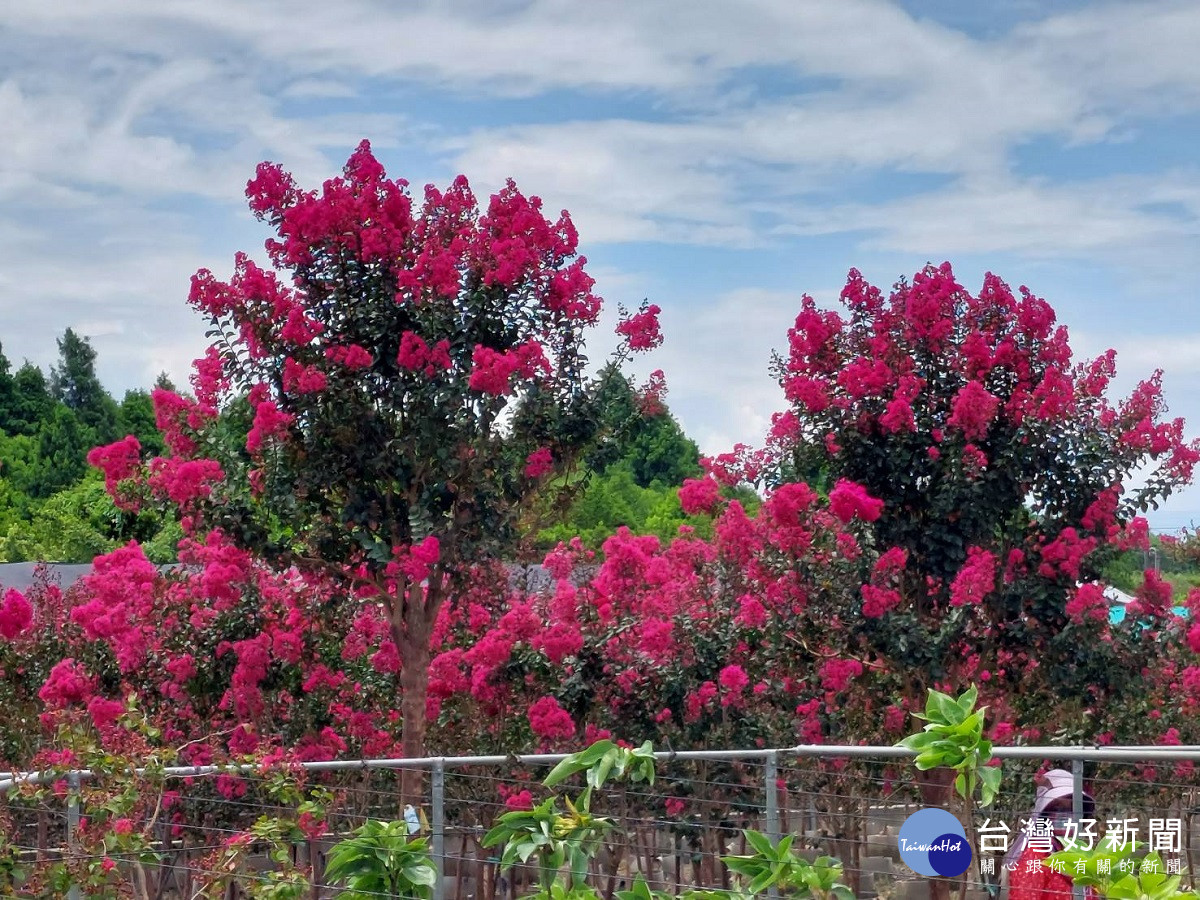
{"x": 53, "y": 506}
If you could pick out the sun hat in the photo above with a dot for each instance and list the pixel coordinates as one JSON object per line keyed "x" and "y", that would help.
{"x": 1052, "y": 785}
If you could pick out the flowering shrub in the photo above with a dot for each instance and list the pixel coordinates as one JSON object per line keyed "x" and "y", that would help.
{"x": 378, "y": 406}
{"x": 344, "y": 510}
{"x": 997, "y": 467}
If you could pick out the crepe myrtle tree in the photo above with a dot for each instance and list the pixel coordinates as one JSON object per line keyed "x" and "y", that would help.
{"x": 1006, "y": 476}
{"x": 380, "y": 402}
{"x": 1005, "y": 479}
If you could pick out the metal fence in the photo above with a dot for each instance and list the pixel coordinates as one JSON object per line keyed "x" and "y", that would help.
{"x": 844, "y": 801}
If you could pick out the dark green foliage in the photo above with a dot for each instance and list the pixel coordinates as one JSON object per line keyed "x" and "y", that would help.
{"x": 7, "y": 390}
{"x": 655, "y": 447}
{"x": 137, "y": 418}
{"x": 32, "y": 403}
{"x": 63, "y": 443}
{"x": 633, "y": 477}
{"x": 53, "y": 507}
{"x": 73, "y": 382}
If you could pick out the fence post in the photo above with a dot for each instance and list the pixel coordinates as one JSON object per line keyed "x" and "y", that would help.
{"x": 73, "y": 788}
{"x": 771, "y": 777}
{"x": 437, "y": 839}
{"x": 1077, "y": 810}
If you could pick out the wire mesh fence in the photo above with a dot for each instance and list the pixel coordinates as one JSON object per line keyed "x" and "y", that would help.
{"x": 844, "y": 802}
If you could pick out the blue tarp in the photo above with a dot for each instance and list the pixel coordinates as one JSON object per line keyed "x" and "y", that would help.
{"x": 1117, "y": 613}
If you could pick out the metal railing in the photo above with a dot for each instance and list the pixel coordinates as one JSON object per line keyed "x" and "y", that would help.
{"x": 751, "y": 795}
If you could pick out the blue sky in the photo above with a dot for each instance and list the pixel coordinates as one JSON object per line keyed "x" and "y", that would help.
{"x": 719, "y": 158}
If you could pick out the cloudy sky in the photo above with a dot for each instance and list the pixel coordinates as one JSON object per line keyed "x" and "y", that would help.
{"x": 719, "y": 158}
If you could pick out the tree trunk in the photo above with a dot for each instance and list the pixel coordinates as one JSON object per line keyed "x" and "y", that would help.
{"x": 412, "y": 613}
{"x": 414, "y": 690}
{"x": 936, "y": 787}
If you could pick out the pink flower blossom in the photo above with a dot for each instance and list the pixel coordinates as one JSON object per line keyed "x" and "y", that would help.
{"x": 269, "y": 423}
{"x": 540, "y": 462}
{"x": 836, "y": 674}
{"x": 184, "y": 480}
{"x": 1088, "y": 602}
{"x": 414, "y": 352}
{"x": 894, "y": 719}
{"x": 642, "y": 330}
{"x": 302, "y": 379}
{"x": 1065, "y": 554}
{"x": 751, "y": 613}
{"x": 519, "y": 800}
{"x": 699, "y": 495}
{"x": 848, "y": 500}
{"x": 878, "y": 600}
{"x": 1153, "y": 596}
{"x": 734, "y": 680}
{"x": 68, "y": 683}
{"x": 975, "y": 580}
{"x": 972, "y": 410}
{"x": 550, "y": 721}
{"x": 104, "y": 713}
{"x": 350, "y": 357}
{"x": 117, "y": 461}
{"x": 16, "y": 614}
{"x": 122, "y": 826}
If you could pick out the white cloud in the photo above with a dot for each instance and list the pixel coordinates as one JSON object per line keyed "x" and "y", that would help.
{"x": 131, "y": 127}
{"x": 1033, "y": 217}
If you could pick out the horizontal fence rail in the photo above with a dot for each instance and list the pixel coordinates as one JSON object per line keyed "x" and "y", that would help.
{"x": 1127, "y": 753}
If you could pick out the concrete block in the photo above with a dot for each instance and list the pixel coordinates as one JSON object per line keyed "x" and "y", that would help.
{"x": 873, "y": 864}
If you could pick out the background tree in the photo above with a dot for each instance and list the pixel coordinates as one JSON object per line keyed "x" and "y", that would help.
{"x": 136, "y": 417}
{"x": 653, "y": 447}
{"x": 7, "y": 392}
{"x": 422, "y": 379}
{"x": 63, "y": 443}
{"x": 32, "y": 402}
{"x": 73, "y": 382}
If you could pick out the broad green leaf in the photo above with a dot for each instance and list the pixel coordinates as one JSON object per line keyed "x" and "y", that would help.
{"x": 599, "y": 773}
{"x": 760, "y": 843}
{"x": 743, "y": 865}
{"x": 919, "y": 741}
{"x": 930, "y": 760}
{"x": 762, "y": 881}
{"x": 1124, "y": 889}
{"x": 966, "y": 701}
{"x": 989, "y": 777}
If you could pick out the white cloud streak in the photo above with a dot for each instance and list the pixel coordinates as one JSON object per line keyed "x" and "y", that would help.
{"x": 129, "y": 128}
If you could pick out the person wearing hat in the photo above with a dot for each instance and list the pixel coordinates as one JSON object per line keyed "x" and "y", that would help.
{"x": 1053, "y": 804}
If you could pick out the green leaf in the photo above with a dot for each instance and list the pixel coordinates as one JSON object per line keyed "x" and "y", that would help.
{"x": 760, "y": 843}
{"x": 919, "y": 741}
{"x": 966, "y": 701}
{"x": 943, "y": 709}
{"x": 598, "y": 774}
{"x": 989, "y": 778}
{"x": 930, "y": 760}
{"x": 1125, "y": 888}
{"x": 763, "y": 881}
{"x": 743, "y": 865}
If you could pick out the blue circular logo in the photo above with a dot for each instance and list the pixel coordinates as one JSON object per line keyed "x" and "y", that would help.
{"x": 933, "y": 842}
